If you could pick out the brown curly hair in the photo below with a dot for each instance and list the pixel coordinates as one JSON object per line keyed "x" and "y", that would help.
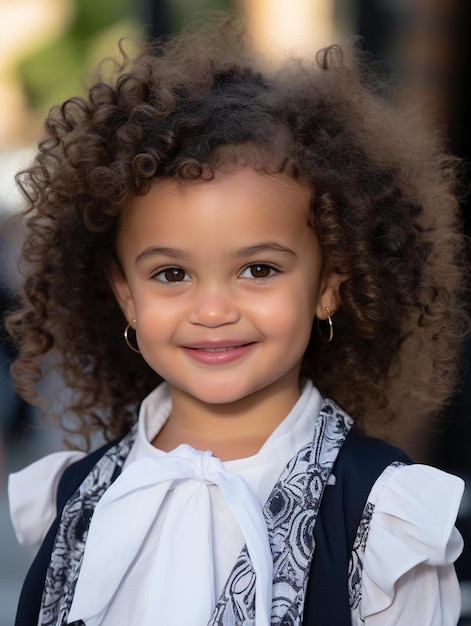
{"x": 383, "y": 208}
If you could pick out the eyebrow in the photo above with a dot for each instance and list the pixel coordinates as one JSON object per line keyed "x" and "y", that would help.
{"x": 268, "y": 246}
{"x": 154, "y": 251}
{"x": 176, "y": 253}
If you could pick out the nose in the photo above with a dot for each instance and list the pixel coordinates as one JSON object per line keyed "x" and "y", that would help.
{"x": 213, "y": 306}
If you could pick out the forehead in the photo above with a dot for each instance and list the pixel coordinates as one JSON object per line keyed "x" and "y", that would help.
{"x": 231, "y": 189}
{"x": 212, "y": 219}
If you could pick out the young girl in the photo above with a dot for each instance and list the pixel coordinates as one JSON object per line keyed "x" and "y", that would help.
{"x": 266, "y": 240}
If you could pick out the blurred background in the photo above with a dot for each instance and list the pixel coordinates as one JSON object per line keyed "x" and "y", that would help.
{"x": 48, "y": 46}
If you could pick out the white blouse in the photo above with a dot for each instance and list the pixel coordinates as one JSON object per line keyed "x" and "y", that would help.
{"x": 188, "y": 532}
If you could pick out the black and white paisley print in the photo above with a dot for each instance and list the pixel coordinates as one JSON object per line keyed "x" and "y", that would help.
{"x": 355, "y": 566}
{"x": 290, "y": 512}
{"x": 70, "y": 541}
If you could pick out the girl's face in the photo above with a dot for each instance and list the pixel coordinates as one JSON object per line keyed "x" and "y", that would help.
{"x": 224, "y": 278}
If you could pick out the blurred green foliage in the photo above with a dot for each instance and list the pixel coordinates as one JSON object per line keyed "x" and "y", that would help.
{"x": 52, "y": 73}
{"x": 183, "y": 10}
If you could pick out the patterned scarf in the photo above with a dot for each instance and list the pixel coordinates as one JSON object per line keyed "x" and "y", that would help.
{"x": 290, "y": 512}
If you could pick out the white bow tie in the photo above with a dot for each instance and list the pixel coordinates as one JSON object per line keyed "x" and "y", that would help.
{"x": 181, "y": 583}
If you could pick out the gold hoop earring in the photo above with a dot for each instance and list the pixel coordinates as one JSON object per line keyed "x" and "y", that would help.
{"x": 331, "y": 327}
{"x": 126, "y": 338}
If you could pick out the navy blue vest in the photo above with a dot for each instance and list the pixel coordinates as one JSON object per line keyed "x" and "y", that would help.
{"x": 359, "y": 463}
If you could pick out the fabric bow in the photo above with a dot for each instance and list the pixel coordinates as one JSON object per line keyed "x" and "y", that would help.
{"x": 180, "y": 587}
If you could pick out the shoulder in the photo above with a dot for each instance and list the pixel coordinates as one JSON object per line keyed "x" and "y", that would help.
{"x": 32, "y": 495}
{"x": 37, "y": 492}
{"x": 361, "y": 461}
{"x": 411, "y": 544}
{"x": 361, "y": 451}
{"x": 67, "y": 479}
{"x": 417, "y": 504}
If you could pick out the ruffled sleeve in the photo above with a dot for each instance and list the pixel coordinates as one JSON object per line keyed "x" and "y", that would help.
{"x": 408, "y": 572}
{"x": 32, "y": 495}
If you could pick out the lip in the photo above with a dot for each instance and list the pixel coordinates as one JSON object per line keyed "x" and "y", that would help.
{"x": 217, "y": 352}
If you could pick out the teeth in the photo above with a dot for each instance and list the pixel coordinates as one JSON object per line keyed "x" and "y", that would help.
{"x": 219, "y": 349}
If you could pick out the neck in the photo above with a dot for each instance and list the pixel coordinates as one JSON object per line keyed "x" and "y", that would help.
{"x": 231, "y": 431}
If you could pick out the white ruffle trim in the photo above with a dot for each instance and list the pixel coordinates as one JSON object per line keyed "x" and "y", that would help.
{"x": 411, "y": 535}
{"x": 32, "y": 495}
{"x": 411, "y": 547}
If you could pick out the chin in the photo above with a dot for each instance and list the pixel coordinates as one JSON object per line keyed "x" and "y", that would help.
{"x": 218, "y": 396}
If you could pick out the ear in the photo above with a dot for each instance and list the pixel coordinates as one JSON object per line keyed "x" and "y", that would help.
{"x": 119, "y": 286}
{"x": 329, "y": 296}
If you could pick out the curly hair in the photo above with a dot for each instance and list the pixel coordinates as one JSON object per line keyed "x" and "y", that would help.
{"x": 383, "y": 208}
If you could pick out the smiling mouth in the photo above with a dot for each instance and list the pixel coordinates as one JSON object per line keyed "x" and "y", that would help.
{"x": 218, "y": 346}
{"x": 218, "y": 355}
{"x": 222, "y": 349}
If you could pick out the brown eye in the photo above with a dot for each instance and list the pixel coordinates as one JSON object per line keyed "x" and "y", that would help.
{"x": 172, "y": 275}
{"x": 258, "y": 270}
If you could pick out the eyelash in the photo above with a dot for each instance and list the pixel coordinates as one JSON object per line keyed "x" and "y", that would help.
{"x": 164, "y": 271}
{"x": 272, "y": 271}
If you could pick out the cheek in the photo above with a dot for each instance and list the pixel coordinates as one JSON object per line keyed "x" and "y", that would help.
{"x": 290, "y": 313}
{"x": 154, "y": 320}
